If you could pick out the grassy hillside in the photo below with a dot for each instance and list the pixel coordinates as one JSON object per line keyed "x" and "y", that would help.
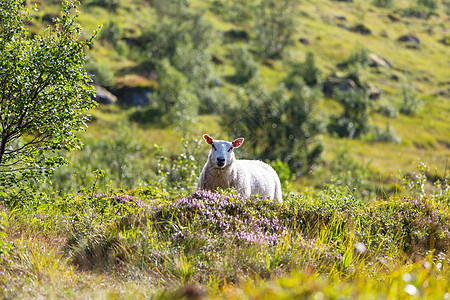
{"x": 419, "y": 69}
{"x": 354, "y": 120}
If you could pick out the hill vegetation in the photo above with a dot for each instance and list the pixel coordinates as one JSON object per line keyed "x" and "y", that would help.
{"x": 316, "y": 76}
{"x": 347, "y": 100}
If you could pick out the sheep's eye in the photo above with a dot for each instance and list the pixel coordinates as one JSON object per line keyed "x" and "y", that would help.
{"x": 214, "y": 147}
{"x": 230, "y": 149}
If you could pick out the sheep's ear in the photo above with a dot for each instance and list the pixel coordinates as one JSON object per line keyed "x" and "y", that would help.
{"x": 238, "y": 142}
{"x": 208, "y": 139}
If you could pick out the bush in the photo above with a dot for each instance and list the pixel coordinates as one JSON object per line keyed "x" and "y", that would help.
{"x": 388, "y": 135}
{"x": 111, "y": 32}
{"x": 177, "y": 10}
{"x": 410, "y": 101}
{"x": 307, "y": 70}
{"x": 384, "y": 3}
{"x": 111, "y": 5}
{"x": 195, "y": 64}
{"x": 245, "y": 66}
{"x": 117, "y": 153}
{"x": 346, "y": 173}
{"x": 215, "y": 101}
{"x": 5, "y": 246}
{"x": 432, "y": 4}
{"x": 237, "y": 11}
{"x": 101, "y": 73}
{"x": 169, "y": 34}
{"x": 179, "y": 173}
{"x": 359, "y": 56}
{"x": 285, "y": 174}
{"x": 182, "y": 44}
{"x": 354, "y": 121}
{"x": 420, "y": 222}
{"x": 279, "y": 126}
{"x": 387, "y": 109}
{"x": 274, "y": 26}
{"x": 422, "y": 9}
{"x": 177, "y": 103}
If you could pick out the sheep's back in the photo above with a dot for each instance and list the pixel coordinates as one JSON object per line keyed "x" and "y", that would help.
{"x": 261, "y": 177}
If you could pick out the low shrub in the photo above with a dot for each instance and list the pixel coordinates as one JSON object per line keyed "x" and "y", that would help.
{"x": 411, "y": 102}
{"x": 101, "y": 73}
{"x": 245, "y": 66}
{"x": 119, "y": 156}
{"x": 384, "y": 3}
{"x": 111, "y": 5}
{"x": 387, "y": 109}
{"x": 378, "y": 134}
{"x": 422, "y": 9}
{"x": 420, "y": 225}
{"x": 179, "y": 173}
{"x": 307, "y": 70}
{"x": 354, "y": 121}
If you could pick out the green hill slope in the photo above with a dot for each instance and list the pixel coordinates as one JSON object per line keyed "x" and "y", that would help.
{"x": 408, "y": 120}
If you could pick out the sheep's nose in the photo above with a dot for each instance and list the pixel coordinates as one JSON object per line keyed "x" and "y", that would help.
{"x": 220, "y": 161}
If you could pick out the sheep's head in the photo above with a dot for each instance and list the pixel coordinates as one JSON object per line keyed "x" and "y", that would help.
{"x": 221, "y": 154}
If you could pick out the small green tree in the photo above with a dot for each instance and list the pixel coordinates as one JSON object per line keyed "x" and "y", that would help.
{"x": 307, "y": 70}
{"x": 236, "y": 11}
{"x": 384, "y": 3}
{"x": 274, "y": 26}
{"x": 245, "y": 66}
{"x": 279, "y": 126}
{"x": 411, "y": 102}
{"x": 44, "y": 92}
{"x": 177, "y": 103}
{"x": 354, "y": 120}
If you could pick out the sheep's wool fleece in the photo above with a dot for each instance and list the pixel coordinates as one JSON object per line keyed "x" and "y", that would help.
{"x": 250, "y": 177}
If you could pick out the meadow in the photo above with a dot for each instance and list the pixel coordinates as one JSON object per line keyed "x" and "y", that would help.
{"x": 347, "y": 100}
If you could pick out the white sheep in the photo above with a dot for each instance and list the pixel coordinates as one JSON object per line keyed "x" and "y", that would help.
{"x": 249, "y": 177}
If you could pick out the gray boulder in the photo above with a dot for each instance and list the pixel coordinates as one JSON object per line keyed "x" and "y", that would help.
{"x": 103, "y": 96}
{"x": 377, "y": 61}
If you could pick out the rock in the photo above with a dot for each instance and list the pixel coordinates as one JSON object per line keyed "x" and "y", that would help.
{"x": 103, "y": 96}
{"x": 341, "y": 18}
{"x": 445, "y": 41}
{"x": 374, "y": 92}
{"x": 50, "y": 18}
{"x": 237, "y": 34}
{"x": 443, "y": 93}
{"x": 394, "y": 17}
{"x": 217, "y": 82}
{"x": 394, "y": 77}
{"x": 216, "y": 60}
{"x": 376, "y": 61}
{"x": 409, "y": 38}
{"x": 362, "y": 29}
{"x": 134, "y": 96}
{"x": 335, "y": 81}
{"x": 135, "y": 42}
{"x": 304, "y": 41}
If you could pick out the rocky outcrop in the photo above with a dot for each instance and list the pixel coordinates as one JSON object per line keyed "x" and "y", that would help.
{"x": 134, "y": 96}
{"x": 377, "y": 61}
{"x": 361, "y": 29}
{"x": 103, "y": 96}
{"x": 304, "y": 41}
{"x": 373, "y": 92}
{"x": 337, "y": 81}
{"x": 236, "y": 34}
{"x": 409, "y": 38}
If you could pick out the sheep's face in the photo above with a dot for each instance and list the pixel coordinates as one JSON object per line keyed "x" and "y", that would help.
{"x": 221, "y": 154}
